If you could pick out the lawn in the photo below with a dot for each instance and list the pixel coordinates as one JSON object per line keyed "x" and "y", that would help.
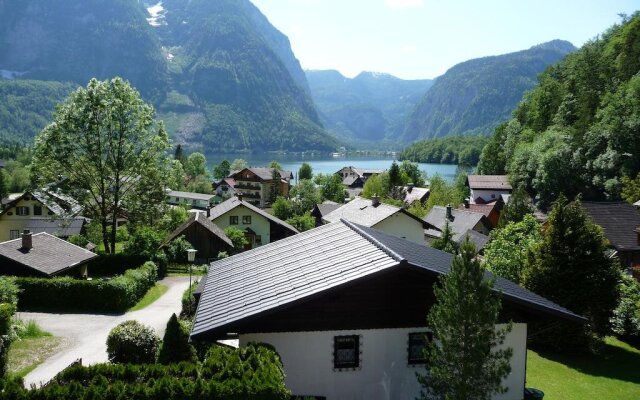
{"x": 31, "y": 349}
{"x": 612, "y": 374}
{"x": 152, "y": 295}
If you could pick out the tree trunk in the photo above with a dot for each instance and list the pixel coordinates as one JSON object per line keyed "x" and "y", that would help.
{"x": 105, "y": 236}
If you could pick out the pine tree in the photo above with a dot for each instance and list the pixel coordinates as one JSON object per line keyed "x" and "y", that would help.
{"x": 463, "y": 360}
{"x": 445, "y": 242}
{"x": 175, "y": 344}
{"x": 518, "y": 206}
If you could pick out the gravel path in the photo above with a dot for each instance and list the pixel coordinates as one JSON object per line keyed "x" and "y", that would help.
{"x": 86, "y": 334}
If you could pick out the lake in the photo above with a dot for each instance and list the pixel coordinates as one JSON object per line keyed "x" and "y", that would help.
{"x": 326, "y": 164}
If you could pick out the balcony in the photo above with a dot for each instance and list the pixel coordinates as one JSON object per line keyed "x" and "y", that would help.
{"x": 246, "y": 186}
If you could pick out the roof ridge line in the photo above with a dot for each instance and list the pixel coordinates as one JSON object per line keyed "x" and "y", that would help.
{"x": 374, "y": 241}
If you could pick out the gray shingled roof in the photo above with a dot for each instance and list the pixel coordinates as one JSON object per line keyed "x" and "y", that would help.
{"x": 327, "y": 208}
{"x": 201, "y": 219}
{"x": 478, "y": 239}
{"x": 57, "y": 227}
{"x": 49, "y": 255}
{"x": 415, "y": 194}
{"x": 462, "y": 220}
{"x": 191, "y": 195}
{"x": 58, "y": 203}
{"x": 234, "y": 202}
{"x": 361, "y": 211}
{"x": 499, "y": 182}
{"x": 317, "y": 260}
{"x": 619, "y": 221}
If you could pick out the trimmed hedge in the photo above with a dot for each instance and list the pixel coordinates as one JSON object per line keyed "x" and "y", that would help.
{"x": 67, "y": 294}
{"x": 114, "y": 264}
{"x": 6, "y": 313}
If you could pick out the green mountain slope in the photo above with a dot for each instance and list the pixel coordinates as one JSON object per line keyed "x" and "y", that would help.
{"x": 474, "y": 96}
{"x": 368, "y": 107}
{"x": 578, "y": 131}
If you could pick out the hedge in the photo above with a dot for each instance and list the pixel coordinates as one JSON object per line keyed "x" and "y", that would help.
{"x": 67, "y": 294}
{"x": 114, "y": 264}
{"x": 6, "y": 313}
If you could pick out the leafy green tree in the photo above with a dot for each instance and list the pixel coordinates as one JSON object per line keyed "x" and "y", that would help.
{"x": 200, "y": 184}
{"x": 237, "y": 237}
{"x": 283, "y": 208}
{"x": 506, "y": 253}
{"x": 305, "y": 172}
{"x": 412, "y": 174}
{"x": 238, "y": 164}
{"x": 304, "y": 196}
{"x": 130, "y": 342}
{"x": 145, "y": 242}
{"x": 626, "y": 316}
{"x": 222, "y": 170}
{"x": 333, "y": 189}
{"x": 442, "y": 193}
{"x": 463, "y": 360}
{"x": 176, "y": 177}
{"x": 175, "y": 345}
{"x": 105, "y": 141}
{"x": 570, "y": 267}
{"x": 172, "y": 219}
{"x": 302, "y": 222}
{"x": 518, "y": 207}
{"x": 445, "y": 242}
{"x": 176, "y": 251}
{"x": 492, "y": 158}
{"x": 275, "y": 165}
{"x": 196, "y": 165}
{"x": 631, "y": 189}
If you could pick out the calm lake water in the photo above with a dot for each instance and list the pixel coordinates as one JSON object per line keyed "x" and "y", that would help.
{"x": 327, "y": 164}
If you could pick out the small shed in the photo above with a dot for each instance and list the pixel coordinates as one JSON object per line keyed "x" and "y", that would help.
{"x": 204, "y": 236}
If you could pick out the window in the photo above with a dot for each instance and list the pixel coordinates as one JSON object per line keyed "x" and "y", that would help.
{"x": 14, "y": 234}
{"x": 246, "y": 219}
{"x": 37, "y": 210}
{"x": 233, "y": 220}
{"x": 22, "y": 210}
{"x": 346, "y": 351}
{"x": 417, "y": 343}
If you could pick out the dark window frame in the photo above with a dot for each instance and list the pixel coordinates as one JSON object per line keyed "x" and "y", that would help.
{"x": 233, "y": 220}
{"x": 37, "y": 210}
{"x": 414, "y": 339}
{"x": 340, "y": 343}
{"x": 246, "y": 220}
{"x": 22, "y": 211}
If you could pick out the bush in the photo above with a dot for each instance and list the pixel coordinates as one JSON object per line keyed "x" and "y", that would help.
{"x": 8, "y": 290}
{"x": 65, "y": 294}
{"x": 176, "y": 251}
{"x": 6, "y": 313}
{"x": 626, "y": 316}
{"x": 189, "y": 302}
{"x": 145, "y": 242}
{"x": 237, "y": 237}
{"x": 78, "y": 240}
{"x": 114, "y": 264}
{"x": 132, "y": 343}
{"x": 175, "y": 345}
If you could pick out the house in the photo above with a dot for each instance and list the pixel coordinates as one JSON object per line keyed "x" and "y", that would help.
{"x": 345, "y": 307}
{"x": 224, "y": 189}
{"x": 478, "y": 239}
{"x": 384, "y": 217}
{"x": 260, "y": 186}
{"x": 321, "y": 210}
{"x": 637, "y": 204}
{"x": 43, "y": 255}
{"x": 198, "y": 201}
{"x": 491, "y": 210}
{"x": 43, "y": 210}
{"x": 486, "y": 188}
{"x": 204, "y": 236}
{"x": 259, "y": 226}
{"x": 354, "y": 178}
{"x": 619, "y": 221}
{"x": 413, "y": 194}
{"x": 460, "y": 221}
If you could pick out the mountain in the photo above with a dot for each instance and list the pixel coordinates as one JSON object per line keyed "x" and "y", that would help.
{"x": 366, "y": 108}
{"x": 473, "y": 97}
{"x": 576, "y": 132}
{"x": 220, "y": 75}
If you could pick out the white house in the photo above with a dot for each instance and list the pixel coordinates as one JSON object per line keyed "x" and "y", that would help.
{"x": 199, "y": 201}
{"x": 345, "y": 308}
{"x": 390, "y": 219}
{"x": 488, "y": 188}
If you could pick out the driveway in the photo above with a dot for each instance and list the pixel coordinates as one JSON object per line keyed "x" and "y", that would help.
{"x": 86, "y": 334}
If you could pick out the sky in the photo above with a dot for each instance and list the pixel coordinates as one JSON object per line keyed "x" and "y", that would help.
{"x": 418, "y": 39}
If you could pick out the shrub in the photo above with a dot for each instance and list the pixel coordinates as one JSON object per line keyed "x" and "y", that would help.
{"x": 64, "y": 294}
{"x": 114, "y": 264}
{"x": 189, "y": 302}
{"x": 175, "y": 345}
{"x": 6, "y": 313}
{"x": 626, "y": 316}
{"x": 237, "y": 237}
{"x": 302, "y": 222}
{"x": 78, "y": 240}
{"x": 8, "y": 290}
{"x": 145, "y": 241}
{"x": 132, "y": 343}
{"x": 176, "y": 251}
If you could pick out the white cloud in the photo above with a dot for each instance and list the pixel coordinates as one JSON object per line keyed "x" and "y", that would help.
{"x": 404, "y": 3}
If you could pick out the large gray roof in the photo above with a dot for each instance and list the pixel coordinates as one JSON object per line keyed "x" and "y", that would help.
{"x": 361, "y": 211}
{"x": 462, "y": 220}
{"x": 234, "y": 202}
{"x": 58, "y": 227}
{"x": 619, "y": 221}
{"x": 49, "y": 255}
{"x": 317, "y": 260}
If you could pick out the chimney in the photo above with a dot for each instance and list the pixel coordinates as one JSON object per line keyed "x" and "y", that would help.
{"x": 27, "y": 240}
{"x": 410, "y": 187}
{"x": 208, "y": 211}
{"x": 375, "y": 200}
{"x": 466, "y": 203}
{"x": 449, "y": 215}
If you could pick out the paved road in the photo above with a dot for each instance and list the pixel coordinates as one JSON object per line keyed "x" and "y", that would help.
{"x": 87, "y": 333}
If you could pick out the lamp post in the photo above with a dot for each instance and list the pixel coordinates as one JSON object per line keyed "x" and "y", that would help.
{"x": 191, "y": 257}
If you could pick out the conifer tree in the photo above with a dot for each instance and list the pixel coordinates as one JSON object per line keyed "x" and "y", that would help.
{"x": 445, "y": 242}
{"x": 175, "y": 344}
{"x": 518, "y": 206}
{"x": 463, "y": 359}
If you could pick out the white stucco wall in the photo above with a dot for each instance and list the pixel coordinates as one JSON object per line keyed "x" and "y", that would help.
{"x": 487, "y": 195}
{"x": 402, "y": 226}
{"x": 19, "y": 222}
{"x": 384, "y": 373}
{"x": 259, "y": 224}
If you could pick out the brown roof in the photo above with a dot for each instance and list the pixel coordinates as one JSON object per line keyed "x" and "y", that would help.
{"x": 200, "y": 218}
{"x": 485, "y": 209}
{"x": 49, "y": 254}
{"x": 500, "y": 182}
{"x": 264, "y": 173}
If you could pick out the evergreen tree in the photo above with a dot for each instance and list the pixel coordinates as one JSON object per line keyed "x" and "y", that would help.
{"x": 517, "y": 208}
{"x": 445, "y": 242}
{"x": 570, "y": 267}
{"x": 305, "y": 172}
{"x": 179, "y": 154}
{"x": 222, "y": 170}
{"x": 3, "y": 186}
{"x": 463, "y": 360}
{"x": 175, "y": 345}
{"x": 395, "y": 177}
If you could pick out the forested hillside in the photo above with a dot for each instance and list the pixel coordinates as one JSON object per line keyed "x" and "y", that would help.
{"x": 369, "y": 107}
{"x": 578, "y": 131}
{"x": 221, "y": 76}
{"x": 473, "y": 97}
{"x": 463, "y": 150}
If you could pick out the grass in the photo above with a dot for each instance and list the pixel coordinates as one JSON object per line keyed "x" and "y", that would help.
{"x": 31, "y": 349}
{"x": 611, "y": 374}
{"x": 29, "y": 330}
{"x": 152, "y": 295}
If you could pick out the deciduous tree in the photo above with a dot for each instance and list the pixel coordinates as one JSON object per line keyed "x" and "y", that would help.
{"x": 305, "y": 172}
